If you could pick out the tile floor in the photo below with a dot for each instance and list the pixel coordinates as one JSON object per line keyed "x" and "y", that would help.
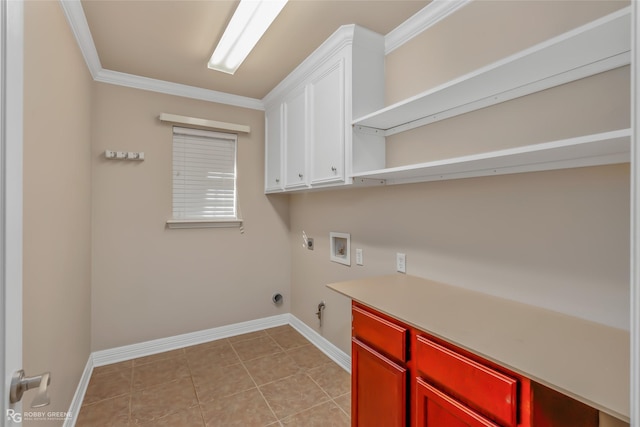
{"x": 270, "y": 378}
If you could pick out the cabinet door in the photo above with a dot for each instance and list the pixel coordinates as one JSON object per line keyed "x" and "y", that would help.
{"x": 379, "y": 388}
{"x": 436, "y": 409}
{"x": 327, "y": 122}
{"x": 295, "y": 127}
{"x": 273, "y": 149}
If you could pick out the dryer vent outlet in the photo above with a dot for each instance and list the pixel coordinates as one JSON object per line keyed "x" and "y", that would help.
{"x": 277, "y": 298}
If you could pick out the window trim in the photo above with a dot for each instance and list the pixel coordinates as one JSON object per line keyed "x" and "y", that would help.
{"x": 204, "y": 223}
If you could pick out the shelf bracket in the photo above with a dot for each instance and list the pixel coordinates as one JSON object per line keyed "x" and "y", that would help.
{"x": 366, "y": 130}
{"x": 368, "y": 182}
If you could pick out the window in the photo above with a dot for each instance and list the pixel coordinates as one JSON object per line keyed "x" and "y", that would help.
{"x": 204, "y": 179}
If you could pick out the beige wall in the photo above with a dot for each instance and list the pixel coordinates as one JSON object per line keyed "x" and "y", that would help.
{"x": 609, "y": 421}
{"x": 150, "y": 282}
{"x": 57, "y": 212}
{"x": 556, "y": 239}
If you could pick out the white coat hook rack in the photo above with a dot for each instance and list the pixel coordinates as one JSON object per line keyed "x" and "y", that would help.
{"x": 123, "y": 155}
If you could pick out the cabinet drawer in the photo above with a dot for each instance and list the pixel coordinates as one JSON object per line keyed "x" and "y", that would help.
{"x": 436, "y": 409}
{"x": 380, "y": 334}
{"x": 480, "y": 387}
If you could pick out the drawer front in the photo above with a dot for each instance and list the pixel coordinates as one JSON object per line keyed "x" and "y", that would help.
{"x": 380, "y": 334}
{"x": 436, "y": 409}
{"x": 480, "y": 387}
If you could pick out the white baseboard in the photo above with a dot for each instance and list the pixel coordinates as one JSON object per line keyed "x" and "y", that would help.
{"x": 78, "y": 397}
{"x": 147, "y": 348}
{"x": 324, "y": 345}
{"x": 128, "y": 352}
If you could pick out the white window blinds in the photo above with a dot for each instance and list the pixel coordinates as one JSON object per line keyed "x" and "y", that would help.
{"x": 204, "y": 175}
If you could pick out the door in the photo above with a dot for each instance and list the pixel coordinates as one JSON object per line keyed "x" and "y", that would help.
{"x": 11, "y": 78}
{"x": 379, "y": 388}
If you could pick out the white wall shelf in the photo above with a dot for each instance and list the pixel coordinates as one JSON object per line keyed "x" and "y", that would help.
{"x": 590, "y": 150}
{"x": 598, "y": 46}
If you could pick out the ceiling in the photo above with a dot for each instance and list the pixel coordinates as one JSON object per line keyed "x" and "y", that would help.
{"x": 173, "y": 40}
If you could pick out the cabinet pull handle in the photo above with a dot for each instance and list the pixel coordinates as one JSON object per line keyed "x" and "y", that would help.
{"x": 333, "y": 168}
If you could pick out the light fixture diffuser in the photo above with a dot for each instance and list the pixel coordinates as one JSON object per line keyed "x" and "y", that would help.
{"x": 249, "y": 22}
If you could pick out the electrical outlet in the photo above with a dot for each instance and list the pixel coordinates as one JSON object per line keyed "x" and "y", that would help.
{"x": 401, "y": 263}
{"x": 359, "y": 260}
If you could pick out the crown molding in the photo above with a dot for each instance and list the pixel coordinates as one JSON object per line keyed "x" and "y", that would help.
{"x": 169, "y": 88}
{"x": 425, "y": 18}
{"x": 78, "y": 22}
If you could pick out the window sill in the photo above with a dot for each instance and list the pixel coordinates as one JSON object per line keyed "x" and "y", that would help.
{"x": 204, "y": 223}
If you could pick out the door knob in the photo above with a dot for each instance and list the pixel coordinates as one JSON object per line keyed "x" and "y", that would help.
{"x": 20, "y": 383}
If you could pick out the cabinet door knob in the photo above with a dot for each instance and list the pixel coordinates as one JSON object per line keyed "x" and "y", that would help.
{"x": 333, "y": 168}
{"x": 277, "y": 179}
{"x": 300, "y": 175}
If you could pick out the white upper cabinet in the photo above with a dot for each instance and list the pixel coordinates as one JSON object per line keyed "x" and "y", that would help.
{"x": 318, "y": 100}
{"x": 273, "y": 149}
{"x": 295, "y": 136}
{"x": 326, "y": 124}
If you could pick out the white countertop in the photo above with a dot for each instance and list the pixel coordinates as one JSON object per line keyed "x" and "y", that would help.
{"x": 582, "y": 359}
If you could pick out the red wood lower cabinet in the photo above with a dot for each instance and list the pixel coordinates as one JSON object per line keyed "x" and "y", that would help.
{"x": 436, "y": 409}
{"x": 402, "y": 376}
{"x": 379, "y": 389}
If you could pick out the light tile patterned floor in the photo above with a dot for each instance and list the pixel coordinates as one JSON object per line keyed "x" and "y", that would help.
{"x": 270, "y": 378}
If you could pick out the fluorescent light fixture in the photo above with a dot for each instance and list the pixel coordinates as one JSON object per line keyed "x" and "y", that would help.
{"x": 249, "y": 22}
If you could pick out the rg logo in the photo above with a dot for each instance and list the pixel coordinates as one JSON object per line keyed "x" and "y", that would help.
{"x": 14, "y": 416}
